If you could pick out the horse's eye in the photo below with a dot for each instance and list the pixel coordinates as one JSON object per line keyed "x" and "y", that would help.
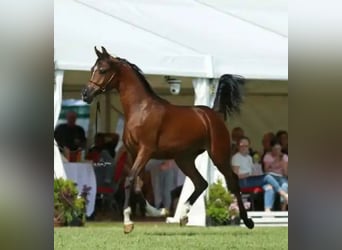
{"x": 102, "y": 71}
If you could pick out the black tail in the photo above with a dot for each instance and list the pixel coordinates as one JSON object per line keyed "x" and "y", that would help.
{"x": 229, "y": 95}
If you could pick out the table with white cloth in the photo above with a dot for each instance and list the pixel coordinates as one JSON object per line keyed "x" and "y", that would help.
{"x": 83, "y": 174}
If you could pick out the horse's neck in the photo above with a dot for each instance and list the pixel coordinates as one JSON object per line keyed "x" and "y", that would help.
{"x": 133, "y": 96}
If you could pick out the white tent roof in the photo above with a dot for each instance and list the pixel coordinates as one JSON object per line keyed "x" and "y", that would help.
{"x": 268, "y": 14}
{"x": 79, "y": 28}
{"x": 178, "y": 37}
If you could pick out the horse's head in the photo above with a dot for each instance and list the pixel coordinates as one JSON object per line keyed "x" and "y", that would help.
{"x": 104, "y": 76}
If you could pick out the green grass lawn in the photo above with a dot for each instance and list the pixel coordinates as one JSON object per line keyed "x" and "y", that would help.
{"x": 157, "y": 235}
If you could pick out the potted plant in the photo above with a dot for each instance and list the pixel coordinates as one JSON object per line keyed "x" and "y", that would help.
{"x": 220, "y": 208}
{"x": 69, "y": 206}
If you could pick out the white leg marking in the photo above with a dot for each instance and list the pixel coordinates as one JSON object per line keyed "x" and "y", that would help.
{"x": 185, "y": 210}
{"x": 127, "y": 213}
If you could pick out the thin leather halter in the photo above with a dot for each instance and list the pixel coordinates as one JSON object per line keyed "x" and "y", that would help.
{"x": 103, "y": 88}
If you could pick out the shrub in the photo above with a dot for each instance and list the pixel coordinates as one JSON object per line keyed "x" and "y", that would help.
{"x": 219, "y": 203}
{"x": 68, "y": 205}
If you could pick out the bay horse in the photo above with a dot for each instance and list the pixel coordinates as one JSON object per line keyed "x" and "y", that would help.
{"x": 155, "y": 128}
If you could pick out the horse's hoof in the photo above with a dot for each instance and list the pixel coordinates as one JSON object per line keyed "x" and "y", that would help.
{"x": 249, "y": 223}
{"x": 128, "y": 228}
{"x": 183, "y": 221}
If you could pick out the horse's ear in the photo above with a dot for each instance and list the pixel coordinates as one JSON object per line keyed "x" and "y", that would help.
{"x": 98, "y": 53}
{"x": 104, "y": 52}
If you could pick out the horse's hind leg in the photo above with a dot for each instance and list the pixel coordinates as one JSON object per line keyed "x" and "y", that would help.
{"x": 232, "y": 181}
{"x": 187, "y": 165}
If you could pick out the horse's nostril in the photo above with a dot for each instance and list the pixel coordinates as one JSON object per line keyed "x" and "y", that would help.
{"x": 84, "y": 92}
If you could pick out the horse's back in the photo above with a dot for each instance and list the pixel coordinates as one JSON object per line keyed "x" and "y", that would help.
{"x": 186, "y": 128}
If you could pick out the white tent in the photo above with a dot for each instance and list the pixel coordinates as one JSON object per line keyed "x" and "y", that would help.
{"x": 200, "y": 39}
{"x": 271, "y": 15}
{"x": 175, "y": 37}
{"x": 78, "y": 28}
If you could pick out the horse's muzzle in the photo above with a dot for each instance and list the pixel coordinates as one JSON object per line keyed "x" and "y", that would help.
{"x": 86, "y": 96}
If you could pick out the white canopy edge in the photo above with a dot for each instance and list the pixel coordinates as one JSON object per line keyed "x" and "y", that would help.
{"x": 201, "y": 65}
{"x": 184, "y": 38}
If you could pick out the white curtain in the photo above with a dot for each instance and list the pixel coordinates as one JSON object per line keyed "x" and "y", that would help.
{"x": 59, "y": 171}
{"x": 204, "y": 95}
{"x": 213, "y": 173}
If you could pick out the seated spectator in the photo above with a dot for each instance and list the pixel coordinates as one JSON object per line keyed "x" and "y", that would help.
{"x": 69, "y": 136}
{"x": 276, "y": 165}
{"x": 105, "y": 141}
{"x": 267, "y": 147}
{"x": 242, "y": 164}
{"x": 94, "y": 152}
{"x": 103, "y": 158}
{"x": 282, "y": 137}
{"x": 237, "y": 134}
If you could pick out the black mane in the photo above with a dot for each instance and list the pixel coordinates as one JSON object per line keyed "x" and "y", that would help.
{"x": 142, "y": 78}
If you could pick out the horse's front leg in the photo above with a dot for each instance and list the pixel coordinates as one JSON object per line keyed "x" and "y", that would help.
{"x": 128, "y": 224}
{"x": 139, "y": 162}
